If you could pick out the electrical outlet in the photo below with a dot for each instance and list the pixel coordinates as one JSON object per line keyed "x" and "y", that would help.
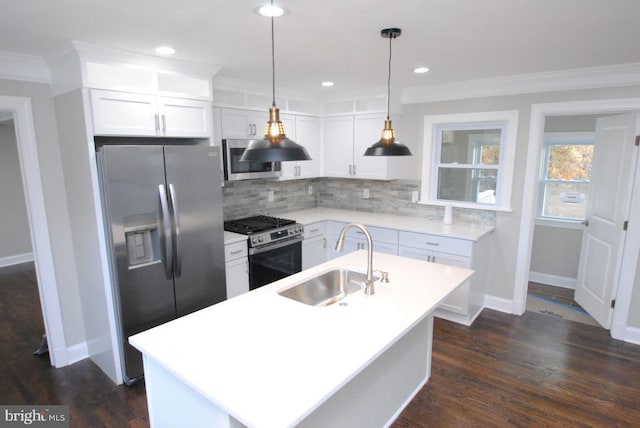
{"x": 365, "y": 193}
{"x": 310, "y": 190}
{"x": 414, "y": 197}
{"x": 270, "y": 196}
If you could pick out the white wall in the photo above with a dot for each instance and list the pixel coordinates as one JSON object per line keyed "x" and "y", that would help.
{"x": 556, "y": 251}
{"x": 15, "y": 238}
{"x": 504, "y": 254}
{"x": 55, "y": 202}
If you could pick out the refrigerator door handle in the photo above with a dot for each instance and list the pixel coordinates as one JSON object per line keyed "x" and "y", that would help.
{"x": 175, "y": 223}
{"x": 165, "y": 227}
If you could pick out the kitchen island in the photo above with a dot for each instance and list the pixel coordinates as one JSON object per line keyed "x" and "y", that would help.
{"x": 263, "y": 360}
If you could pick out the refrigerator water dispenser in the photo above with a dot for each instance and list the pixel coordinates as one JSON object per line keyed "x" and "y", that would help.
{"x": 143, "y": 242}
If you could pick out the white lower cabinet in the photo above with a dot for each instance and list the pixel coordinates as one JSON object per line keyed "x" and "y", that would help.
{"x": 466, "y": 302}
{"x": 314, "y": 246}
{"x": 236, "y": 268}
{"x": 384, "y": 240}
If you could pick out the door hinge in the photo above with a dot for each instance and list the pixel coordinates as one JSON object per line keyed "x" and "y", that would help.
{"x": 625, "y": 225}
{"x": 613, "y": 303}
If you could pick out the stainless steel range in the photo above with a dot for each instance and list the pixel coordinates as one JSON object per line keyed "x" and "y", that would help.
{"x": 275, "y": 247}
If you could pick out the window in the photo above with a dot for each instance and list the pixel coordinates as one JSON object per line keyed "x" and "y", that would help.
{"x": 468, "y": 159}
{"x": 565, "y": 175}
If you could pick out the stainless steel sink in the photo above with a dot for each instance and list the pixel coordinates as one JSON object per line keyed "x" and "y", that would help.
{"x": 326, "y": 289}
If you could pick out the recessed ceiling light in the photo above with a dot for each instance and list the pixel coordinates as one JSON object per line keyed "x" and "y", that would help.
{"x": 420, "y": 70}
{"x": 327, "y": 84}
{"x": 165, "y": 50}
{"x": 270, "y": 10}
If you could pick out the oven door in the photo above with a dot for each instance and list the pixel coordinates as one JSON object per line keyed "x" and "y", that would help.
{"x": 236, "y": 170}
{"x": 273, "y": 262}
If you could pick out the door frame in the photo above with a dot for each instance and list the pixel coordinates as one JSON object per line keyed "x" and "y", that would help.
{"x": 539, "y": 112}
{"x": 22, "y": 112}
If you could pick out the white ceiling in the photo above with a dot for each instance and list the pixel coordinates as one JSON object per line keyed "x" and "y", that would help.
{"x": 340, "y": 40}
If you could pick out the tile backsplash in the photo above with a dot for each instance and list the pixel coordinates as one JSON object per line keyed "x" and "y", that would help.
{"x": 251, "y": 197}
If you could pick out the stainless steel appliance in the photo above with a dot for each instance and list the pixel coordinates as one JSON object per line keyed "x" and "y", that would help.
{"x": 275, "y": 247}
{"x": 163, "y": 216}
{"x": 236, "y": 170}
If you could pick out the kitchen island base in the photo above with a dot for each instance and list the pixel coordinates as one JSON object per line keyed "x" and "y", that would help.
{"x": 374, "y": 397}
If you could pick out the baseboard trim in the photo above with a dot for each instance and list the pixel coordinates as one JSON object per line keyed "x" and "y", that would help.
{"x": 498, "y": 304}
{"x": 71, "y": 354}
{"x": 16, "y": 260}
{"x": 632, "y": 335}
{"x": 555, "y": 280}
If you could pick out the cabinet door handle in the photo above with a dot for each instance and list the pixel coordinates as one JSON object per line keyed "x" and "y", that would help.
{"x": 354, "y": 170}
{"x": 350, "y": 169}
{"x": 433, "y": 243}
{"x": 314, "y": 230}
{"x": 157, "y": 120}
{"x": 164, "y": 124}
{"x": 324, "y": 242}
{"x": 235, "y": 252}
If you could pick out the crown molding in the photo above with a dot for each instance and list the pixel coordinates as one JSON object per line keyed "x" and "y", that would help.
{"x": 28, "y": 68}
{"x": 572, "y": 79}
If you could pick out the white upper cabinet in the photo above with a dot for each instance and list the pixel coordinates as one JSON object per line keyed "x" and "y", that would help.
{"x": 345, "y": 140}
{"x": 243, "y": 124}
{"x": 131, "y": 114}
{"x": 308, "y": 134}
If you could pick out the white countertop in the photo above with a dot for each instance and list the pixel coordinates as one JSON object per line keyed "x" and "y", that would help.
{"x": 232, "y": 238}
{"x": 461, "y": 230}
{"x": 269, "y": 361}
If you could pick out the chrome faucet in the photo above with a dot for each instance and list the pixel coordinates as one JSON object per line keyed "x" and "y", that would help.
{"x": 368, "y": 289}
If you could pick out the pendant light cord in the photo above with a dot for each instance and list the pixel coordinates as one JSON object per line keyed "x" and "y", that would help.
{"x": 273, "y": 64}
{"x": 389, "y": 78}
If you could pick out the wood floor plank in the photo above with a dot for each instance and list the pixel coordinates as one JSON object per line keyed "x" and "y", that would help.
{"x": 504, "y": 371}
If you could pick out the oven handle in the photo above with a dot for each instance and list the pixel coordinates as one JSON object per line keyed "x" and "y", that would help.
{"x": 275, "y": 246}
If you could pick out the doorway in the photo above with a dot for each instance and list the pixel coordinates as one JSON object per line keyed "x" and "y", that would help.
{"x": 626, "y": 270}
{"x": 20, "y": 111}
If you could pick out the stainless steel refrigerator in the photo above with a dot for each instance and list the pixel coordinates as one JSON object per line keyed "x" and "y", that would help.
{"x": 163, "y": 214}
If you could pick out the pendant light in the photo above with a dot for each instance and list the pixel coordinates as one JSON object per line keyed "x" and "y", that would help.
{"x": 275, "y": 146}
{"x": 387, "y": 145}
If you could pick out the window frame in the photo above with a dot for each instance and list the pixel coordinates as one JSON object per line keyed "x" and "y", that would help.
{"x": 506, "y": 121}
{"x": 564, "y": 138}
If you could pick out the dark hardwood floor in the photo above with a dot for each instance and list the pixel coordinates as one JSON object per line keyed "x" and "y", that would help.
{"x": 529, "y": 371}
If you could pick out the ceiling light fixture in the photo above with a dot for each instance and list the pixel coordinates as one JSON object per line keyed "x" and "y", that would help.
{"x": 420, "y": 70}
{"x": 165, "y": 50}
{"x": 275, "y": 146}
{"x": 387, "y": 145}
{"x": 327, "y": 84}
{"x": 271, "y": 11}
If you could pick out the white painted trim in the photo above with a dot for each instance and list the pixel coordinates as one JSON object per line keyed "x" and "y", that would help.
{"x": 563, "y": 80}
{"x": 555, "y": 280}
{"x": 77, "y": 353}
{"x": 529, "y": 205}
{"x": 499, "y": 304}
{"x": 29, "y": 68}
{"x": 36, "y": 210}
{"x": 560, "y": 224}
{"x": 631, "y": 335}
{"x": 16, "y": 259}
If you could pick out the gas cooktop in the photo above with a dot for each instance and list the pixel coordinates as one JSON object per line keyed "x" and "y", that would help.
{"x": 255, "y": 224}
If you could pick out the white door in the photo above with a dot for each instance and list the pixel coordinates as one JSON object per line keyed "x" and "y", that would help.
{"x": 608, "y": 207}
{"x": 338, "y": 146}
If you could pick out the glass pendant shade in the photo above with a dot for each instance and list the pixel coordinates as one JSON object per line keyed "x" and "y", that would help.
{"x": 275, "y": 146}
{"x": 387, "y": 145}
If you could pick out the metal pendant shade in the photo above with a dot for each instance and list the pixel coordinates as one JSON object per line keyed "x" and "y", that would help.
{"x": 275, "y": 146}
{"x": 388, "y": 145}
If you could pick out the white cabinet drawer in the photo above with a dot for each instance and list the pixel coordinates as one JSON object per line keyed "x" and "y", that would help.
{"x": 379, "y": 234}
{"x": 235, "y": 250}
{"x": 438, "y": 243}
{"x": 314, "y": 229}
